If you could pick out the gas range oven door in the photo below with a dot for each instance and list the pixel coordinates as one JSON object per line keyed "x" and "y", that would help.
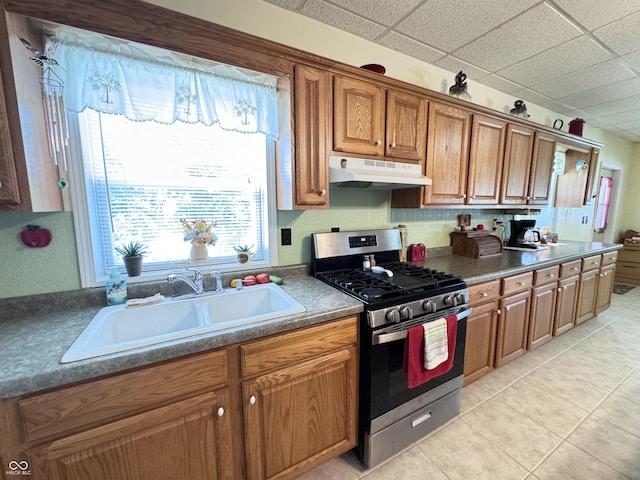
{"x": 392, "y": 415}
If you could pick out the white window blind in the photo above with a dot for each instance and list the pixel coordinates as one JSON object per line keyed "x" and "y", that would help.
{"x": 145, "y": 176}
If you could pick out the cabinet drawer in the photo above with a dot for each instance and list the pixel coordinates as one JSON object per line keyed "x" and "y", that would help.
{"x": 517, "y": 283}
{"x": 569, "y": 269}
{"x": 546, "y": 275}
{"x": 280, "y": 350}
{"x": 609, "y": 258}
{"x": 628, "y": 270}
{"x": 105, "y": 399}
{"x": 628, "y": 254}
{"x": 589, "y": 263}
{"x": 484, "y": 292}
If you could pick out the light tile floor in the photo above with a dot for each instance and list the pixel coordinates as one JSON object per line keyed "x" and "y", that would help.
{"x": 567, "y": 410}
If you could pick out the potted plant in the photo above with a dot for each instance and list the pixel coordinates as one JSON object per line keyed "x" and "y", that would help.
{"x": 132, "y": 254}
{"x": 243, "y": 253}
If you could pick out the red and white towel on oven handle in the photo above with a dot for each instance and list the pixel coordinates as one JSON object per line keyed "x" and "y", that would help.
{"x": 414, "y": 354}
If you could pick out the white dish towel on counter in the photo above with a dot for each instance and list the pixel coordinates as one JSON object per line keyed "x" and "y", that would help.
{"x": 436, "y": 348}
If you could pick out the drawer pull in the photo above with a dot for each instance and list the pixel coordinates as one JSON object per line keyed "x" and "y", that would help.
{"x": 484, "y": 294}
{"x": 252, "y": 400}
{"x": 220, "y": 411}
{"x": 521, "y": 284}
{"x": 551, "y": 275}
{"x": 574, "y": 268}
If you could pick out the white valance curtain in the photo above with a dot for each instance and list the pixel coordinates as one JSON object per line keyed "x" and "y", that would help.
{"x": 144, "y": 83}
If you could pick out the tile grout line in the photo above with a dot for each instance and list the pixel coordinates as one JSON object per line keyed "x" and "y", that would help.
{"x": 589, "y": 413}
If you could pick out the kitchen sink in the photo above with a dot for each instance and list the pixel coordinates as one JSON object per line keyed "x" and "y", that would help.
{"x": 117, "y": 328}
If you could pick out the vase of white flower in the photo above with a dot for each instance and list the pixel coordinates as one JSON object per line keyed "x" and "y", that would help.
{"x": 200, "y": 234}
{"x": 199, "y": 253}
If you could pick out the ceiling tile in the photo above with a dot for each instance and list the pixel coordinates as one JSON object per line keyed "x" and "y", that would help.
{"x": 596, "y": 13}
{"x": 622, "y": 36}
{"x": 617, "y": 106}
{"x": 454, "y": 65}
{"x": 535, "y": 31}
{"x": 342, "y": 19}
{"x": 290, "y": 4}
{"x": 403, "y": 44}
{"x": 386, "y": 12}
{"x": 569, "y": 57}
{"x": 627, "y": 117}
{"x": 586, "y": 79}
{"x": 604, "y": 94}
{"x": 451, "y": 24}
{"x": 500, "y": 84}
{"x": 632, "y": 60}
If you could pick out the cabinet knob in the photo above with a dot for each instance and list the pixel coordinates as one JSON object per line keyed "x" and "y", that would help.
{"x": 322, "y": 192}
{"x": 522, "y": 284}
{"x": 551, "y": 275}
{"x": 220, "y": 411}
{"x": 574, "y": 268}
{"x": 0, "y": 184}
{"x": 252, "y": 399}
{"x": 464, "y": 195}
{"x": 484, "y": 294}
{"x": 378, "y": 142}
{"x": 499, "y": 312}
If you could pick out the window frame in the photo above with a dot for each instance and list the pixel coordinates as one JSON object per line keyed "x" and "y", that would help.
{"x": 88, "y": 250}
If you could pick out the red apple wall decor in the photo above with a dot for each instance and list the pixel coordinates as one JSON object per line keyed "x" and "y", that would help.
{"x": 35, "y": 237}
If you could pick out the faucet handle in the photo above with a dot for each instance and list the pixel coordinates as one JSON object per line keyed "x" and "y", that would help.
{"x": 197, "y": 274}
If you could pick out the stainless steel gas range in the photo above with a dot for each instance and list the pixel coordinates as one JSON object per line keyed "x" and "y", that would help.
{"x": 397, "y": 297}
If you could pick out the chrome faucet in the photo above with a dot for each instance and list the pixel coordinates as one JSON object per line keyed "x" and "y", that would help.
{"x": 196, "y": 284}
{"x": 218, "y": 278}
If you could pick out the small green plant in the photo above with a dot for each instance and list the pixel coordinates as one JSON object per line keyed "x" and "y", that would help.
{"x": 243, "y": 248}
{"x": 131, "y": 249}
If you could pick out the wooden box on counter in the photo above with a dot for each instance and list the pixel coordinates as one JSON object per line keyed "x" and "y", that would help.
{"x": 475, "y": 243}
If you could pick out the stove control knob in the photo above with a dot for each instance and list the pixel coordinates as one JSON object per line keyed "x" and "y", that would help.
{"x": 450, "y": 301}
{"x": 429, "y": 306}
{"x": 406, "y": 313}
{"x": 393, "y": 316}
{"x": 459, "y": 298}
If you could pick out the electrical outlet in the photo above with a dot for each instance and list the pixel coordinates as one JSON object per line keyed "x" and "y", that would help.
{"x": 285, "y": 236}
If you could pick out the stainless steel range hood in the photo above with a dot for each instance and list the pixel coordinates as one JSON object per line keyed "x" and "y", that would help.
{"x": 352, "y": 172}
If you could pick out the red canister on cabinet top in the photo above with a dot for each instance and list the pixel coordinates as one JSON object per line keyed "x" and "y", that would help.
{"x": 416, "y": 252}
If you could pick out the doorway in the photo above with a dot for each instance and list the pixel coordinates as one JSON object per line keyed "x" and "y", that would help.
{"x": 606, "y": 205}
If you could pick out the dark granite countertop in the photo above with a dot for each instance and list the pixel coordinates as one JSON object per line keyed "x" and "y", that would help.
{"x": 511, "y": 262}
{"x": 33, "y": 338}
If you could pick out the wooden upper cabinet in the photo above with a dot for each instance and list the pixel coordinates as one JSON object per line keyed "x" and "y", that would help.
{"x": 517, "y": 165}
{"x": 447, "y": 155}
{"x": 485, "y": 160}
{"x": 544, "y": 148}
{"x": 312, "y": 99}
{"x": 406, "y": 126}
{"x": 358, "y": 117}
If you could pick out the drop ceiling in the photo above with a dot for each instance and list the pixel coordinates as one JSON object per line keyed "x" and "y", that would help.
{"x": 579, "y": 58}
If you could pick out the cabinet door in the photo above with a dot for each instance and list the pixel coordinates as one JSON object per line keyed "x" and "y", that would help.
{"x": 358, "y": 117}
{"x": 300, "y": 416}
{"x": 485, "y": 160}
{"x": 543, "y": 306}
{"x": 9, "y": 194}
{"x": 517, "y": 165}
{"x": 513, "y": 323}
{"x": 447, "y": 155}
{"x": 189, "y": 439}
{"x": 312, "y": 114}
{"x": 605, "y": 288}
{"x": 406, "y": 129}
{"x": 544, "y": 148}
{"x": 587, "y": 294}
{"x": 566, "y": 304}
{"x": 480, "y": 346}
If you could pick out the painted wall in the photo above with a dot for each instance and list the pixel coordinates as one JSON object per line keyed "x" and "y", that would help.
{"x": 31, "y": 271}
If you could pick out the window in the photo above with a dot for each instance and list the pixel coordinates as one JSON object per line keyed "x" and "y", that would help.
{"x": 156, "y": 140}
{"x": 602, "y": 210}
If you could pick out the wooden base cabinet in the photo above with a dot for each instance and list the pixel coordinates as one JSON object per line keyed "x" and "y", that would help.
{"x": 513, "y": 326}
{"x": 296, "y": 392}
{"x": 188, "y": 439}
{"x": 480, "y": 347}
{"x": 605, "y": 288}
{"x": 566, "y": 303}
{"x": 543, "y": 306}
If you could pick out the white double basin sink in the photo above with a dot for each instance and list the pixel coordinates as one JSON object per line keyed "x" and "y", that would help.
{"x": 117, "y": 328}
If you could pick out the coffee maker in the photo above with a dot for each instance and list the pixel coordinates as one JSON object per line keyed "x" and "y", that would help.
{"x": 523, "y": 235}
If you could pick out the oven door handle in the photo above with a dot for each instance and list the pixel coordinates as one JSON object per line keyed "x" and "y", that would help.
{"x": 379, "y": 338}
